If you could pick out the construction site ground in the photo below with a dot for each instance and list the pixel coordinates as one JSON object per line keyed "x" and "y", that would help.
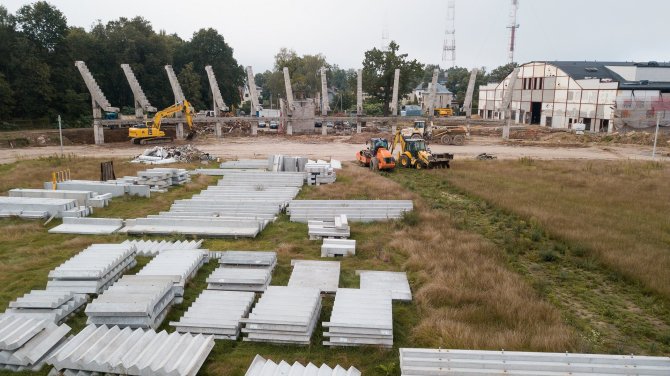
{"x": 534, "y": 142}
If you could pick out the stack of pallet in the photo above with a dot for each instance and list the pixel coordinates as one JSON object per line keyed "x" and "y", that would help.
{"x": 260, "y": 367}
{"x": 52, "y": 305}
{"x": 181, "y": 264}
{"x": 217, "y": 313}
{"x": 25, "y": 343}
{"x": 111, "y": 350}
{"x": 337, "y": 228}
{"x": 360, "y": 317}
{"x": 133, "y": 301}
{"x": 154, "y": 247}
{"x": 284, "y": 315}
{"x": 320, "y": 172}
{"x": 93, "y": 269}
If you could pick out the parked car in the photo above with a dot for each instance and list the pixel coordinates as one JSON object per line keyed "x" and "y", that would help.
{"x": 261, "y": 124}
{"x": 317, "y": 124}
{"x": 329, "y": 124}
{"x": 274, "y": 125}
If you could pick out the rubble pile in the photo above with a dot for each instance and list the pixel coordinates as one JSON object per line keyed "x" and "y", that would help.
{"x": 172, "y": 154}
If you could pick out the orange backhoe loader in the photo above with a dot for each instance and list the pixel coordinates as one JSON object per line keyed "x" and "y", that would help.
{"x": 377, "y": 155}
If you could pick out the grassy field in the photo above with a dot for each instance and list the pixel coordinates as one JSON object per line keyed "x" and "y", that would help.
{"x": 471, "y": 290}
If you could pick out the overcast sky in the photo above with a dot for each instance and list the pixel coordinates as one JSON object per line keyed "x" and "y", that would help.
{"x": 343, "y": 30}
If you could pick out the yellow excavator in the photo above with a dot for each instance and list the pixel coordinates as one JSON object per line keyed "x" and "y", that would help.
{"x": 414, "y": 154}
{"x": 151, "y": 133}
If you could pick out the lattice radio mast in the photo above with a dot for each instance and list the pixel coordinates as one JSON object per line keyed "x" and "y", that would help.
{"x": 449, "y": 47}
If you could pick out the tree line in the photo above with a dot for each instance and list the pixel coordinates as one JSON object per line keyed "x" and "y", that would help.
{"x": 38, "y": 79}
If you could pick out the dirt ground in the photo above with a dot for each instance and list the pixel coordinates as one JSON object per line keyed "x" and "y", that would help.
{"x": 345, "y": 147}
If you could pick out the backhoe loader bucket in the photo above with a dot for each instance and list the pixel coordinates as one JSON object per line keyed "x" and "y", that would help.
{"x": 440, "y": 160}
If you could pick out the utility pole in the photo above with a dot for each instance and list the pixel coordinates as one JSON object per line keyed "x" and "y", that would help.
{"x": 658, "y": 123}
{"x": 512, "y": 27}
{"x": 60, "y": 134}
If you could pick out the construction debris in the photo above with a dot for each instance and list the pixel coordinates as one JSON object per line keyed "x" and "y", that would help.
{"x": 396, "y": 282}
{"x": 360, "y": 317}
{"x": 284, "y": 315}
{"x": 136, "y": 301}
{"x": 338, "y": 247}
{"x": 260, "y": 367}
{"x": 324, "y": 275}
{"x": 481, "y": 362}
{"x": 106, "y": 350}
{"x": 50, "y": 305}
{"x": 172, "y": 154}
{"x": 217, "y": 313}
{"x": 25, "y": 342}
{"x": 93, "y": 269}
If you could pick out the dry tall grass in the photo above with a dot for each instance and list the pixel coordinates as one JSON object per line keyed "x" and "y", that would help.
{"x": 466, "y": 296}
{"x": 618, "y": 210}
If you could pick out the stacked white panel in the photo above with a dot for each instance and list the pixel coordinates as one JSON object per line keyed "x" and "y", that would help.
{"x": 133, "y": 301}
{"x": 262, "y": 367}
{"x": 154, "y": 247}
{"x": 417, "y": 362}
{"x": 360, "y": 317}
{"x": 217, "y": 313}
{"x": 337, "y": 228}
{"x": 26, "y": 342}
{"x": 52, "y": 305}
{"x": 396, "y": 282}
{"x": 324, "y": 275}
{"x": 132, "y": 352}
{"x": 338, "y": 247}
{"x": 93, "y": 269}
{"x": 355, "y": 210}
{"x": 284, "y": 315}
{"x": 249, "y": 259}
{"x": 239, "y": 279}
{"x": 183, "y": 264}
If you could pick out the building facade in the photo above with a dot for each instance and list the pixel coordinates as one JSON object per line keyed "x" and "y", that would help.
{"x": 560, "y": 93}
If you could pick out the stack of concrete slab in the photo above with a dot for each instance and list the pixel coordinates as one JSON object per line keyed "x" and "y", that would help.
{"x": 338, "y": 248}
{"x": 163, "y": 178}
{"x": 195, "y": 226}
{"x": 35, "y": 207}
{"x": 182, "y": 264}
{"x": 249, "y": 259}
{"x": 111, "y": 350}
{"x": 246, "y": 164}
{"x": 323, "y": 275}
{"x": 355, "y": 210}
{"x": 239, "y": 279}
{"x": 25, "y": 343}
{"x": 116, "y": 188}
{"x": 261, "y": 367}
{"x": 84, "y": 198}
{"x": 284, "y": 315}
{"x": 320, "y": 172}
{"x": 136, "y": 301}
{"x": 279, "y": 163}
{"x": 337, "y": 228}
{"x": 88, "y": 226}
{"x": 52, "y": 305}
{"x": 217, "y": 313}
{"x": 93, "y": 269}
{"x": 263, "y": 179}
{"x": 360, "y": 317}
{"x": 415, "y": 362}
{"x": 154, "y": 247}
{"x": 396, "y": 282}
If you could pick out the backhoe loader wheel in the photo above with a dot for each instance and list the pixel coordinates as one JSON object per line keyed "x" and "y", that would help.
{"x": 404, "y": 161}
{"x": 420, "y": 166}
{"x": 416, "y": 135}
{"x": 445, "y": 140}
{"x": 459, "y": 139}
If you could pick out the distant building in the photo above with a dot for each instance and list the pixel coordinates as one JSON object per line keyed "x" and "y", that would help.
{"x": 443, "y": 97}
{"x": 560, "y": 93}
{"x": 246, "y": 96}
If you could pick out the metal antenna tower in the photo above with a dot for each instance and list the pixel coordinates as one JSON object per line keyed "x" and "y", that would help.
{"x": 449, "y": 47}
{"x": 512, "y": 27}
{"x": 385, "y": 28}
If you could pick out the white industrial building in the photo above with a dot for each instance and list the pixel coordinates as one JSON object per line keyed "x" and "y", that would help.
{"x": 560, "y": 93}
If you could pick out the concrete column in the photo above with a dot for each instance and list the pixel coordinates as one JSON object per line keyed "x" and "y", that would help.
{"x": 98, "y": 133}
{"x": 254, "y": 128}
{"x": 359, "y": 126}
{"x": 394, "y": 128}
{"x": 180, "y": 131}
{"x": 324, "y": 129}
{"x": 289, "y": 128}
{"x": 218, "y": 130}
{"x": 359, "y": 93}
